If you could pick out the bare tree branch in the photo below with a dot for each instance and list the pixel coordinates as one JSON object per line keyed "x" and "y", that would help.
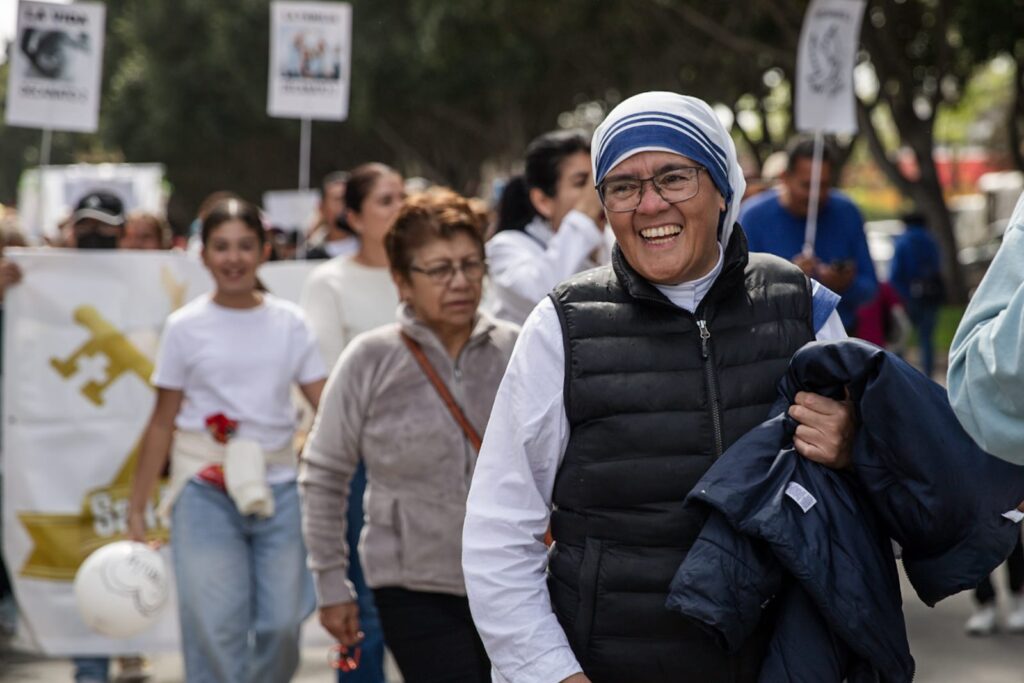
{"x": 843, "y": 153}
{"x": 448, "y": 115}
{"x": 796, "y": 8}
{"x": 889, "y": 168}
{"x": 394, "y": 139}
{"x": 754, "y": 148}
{"x": 881, "y": 45}
{"x": 785, "y": 20}
{"x": 1015, "y": 118}
{"x": 943, "y": 54}
{"x": 728, "y": 39}
{"x": 766, "y": 133}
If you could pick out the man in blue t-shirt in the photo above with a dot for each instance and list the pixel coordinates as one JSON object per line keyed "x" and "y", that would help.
{"x": 775, "y": 222}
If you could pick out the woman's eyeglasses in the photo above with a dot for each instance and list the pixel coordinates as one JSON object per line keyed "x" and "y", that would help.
{"x": 621, "y": 195}
{"x": 442, "y": 274}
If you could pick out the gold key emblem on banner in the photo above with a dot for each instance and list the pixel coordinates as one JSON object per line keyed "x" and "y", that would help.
{"x": 106, "y": 340}
{"x": 60, "y": 542}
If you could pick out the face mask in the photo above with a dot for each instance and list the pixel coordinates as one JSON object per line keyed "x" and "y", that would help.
{"x": 94, "y": 240}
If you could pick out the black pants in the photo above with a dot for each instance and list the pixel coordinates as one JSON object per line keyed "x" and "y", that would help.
{"x": 985, "y": 593}
{"x": 432, "y": 637}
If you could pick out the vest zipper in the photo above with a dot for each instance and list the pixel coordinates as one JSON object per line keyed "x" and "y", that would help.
{"x": 712, "y": 381}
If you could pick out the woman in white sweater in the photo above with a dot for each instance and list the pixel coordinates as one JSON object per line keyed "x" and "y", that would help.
{"x": 550, "y": 226}
{"x": 343, "y": 298}
{"x": 419, "y": 446}
{"x": 353, "y": 293}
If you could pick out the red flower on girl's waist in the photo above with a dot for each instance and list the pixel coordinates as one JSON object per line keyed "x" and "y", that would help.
{"x": 221, "y": 428}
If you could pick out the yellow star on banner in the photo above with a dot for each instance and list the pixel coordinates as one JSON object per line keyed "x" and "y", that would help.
{"x": 62, "y": 541}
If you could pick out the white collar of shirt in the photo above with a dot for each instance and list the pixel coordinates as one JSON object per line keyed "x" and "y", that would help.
{"x": 688, "y": 295}
{"x": 540, "y": 229}
{"x": 348, "y": 245}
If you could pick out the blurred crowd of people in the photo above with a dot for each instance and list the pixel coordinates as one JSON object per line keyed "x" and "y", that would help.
{"x": 400, "y": 342}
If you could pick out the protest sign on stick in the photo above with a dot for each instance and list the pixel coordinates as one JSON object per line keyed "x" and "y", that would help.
{"x": 310, "y": 54}
{"x": 824, "y": 84}
{"x": 56, "y": 62}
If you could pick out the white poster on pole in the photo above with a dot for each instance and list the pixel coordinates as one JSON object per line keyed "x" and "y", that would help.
{"x": 291, "y": 210}
{"x": 285, "y": 279}
{"x": 824, "y": 72}
{"x": 47, "y": 195}
{"x": 56, "y": 63}
{"x": 310, "y": 50}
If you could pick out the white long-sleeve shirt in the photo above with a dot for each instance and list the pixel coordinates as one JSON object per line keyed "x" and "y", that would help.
{"x": 342, "y": 299}
{"x": 526, "y": 264}
{"x": 504, "y": 557}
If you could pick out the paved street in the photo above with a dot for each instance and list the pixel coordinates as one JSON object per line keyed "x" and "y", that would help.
{"x": 943, "y": 653}
{"x": 167, "y": 668}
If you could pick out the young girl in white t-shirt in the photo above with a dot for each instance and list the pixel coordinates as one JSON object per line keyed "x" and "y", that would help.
{"x": 225, "y": 417}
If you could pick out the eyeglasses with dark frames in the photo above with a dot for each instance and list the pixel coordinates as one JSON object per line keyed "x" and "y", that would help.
{"x": 442, "y": 274}
{"x": 621, "y": 195}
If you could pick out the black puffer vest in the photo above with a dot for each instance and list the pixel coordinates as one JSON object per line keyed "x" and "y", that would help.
{"x": 653, "y": 395}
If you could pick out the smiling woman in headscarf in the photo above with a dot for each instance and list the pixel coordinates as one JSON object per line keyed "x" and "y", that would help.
{"x": 626, "y": 383}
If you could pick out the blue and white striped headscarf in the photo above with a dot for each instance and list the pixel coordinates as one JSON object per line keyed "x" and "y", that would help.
{"x": 667, "y": 122}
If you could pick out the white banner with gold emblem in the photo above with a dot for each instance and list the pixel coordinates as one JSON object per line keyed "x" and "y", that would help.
{"x": 81, "y": 332}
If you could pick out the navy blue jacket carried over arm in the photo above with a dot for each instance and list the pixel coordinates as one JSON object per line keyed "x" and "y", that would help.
{"x": 814, "y": 543}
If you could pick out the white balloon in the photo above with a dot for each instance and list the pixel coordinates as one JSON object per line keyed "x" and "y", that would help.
{"x": 121, "y": 588}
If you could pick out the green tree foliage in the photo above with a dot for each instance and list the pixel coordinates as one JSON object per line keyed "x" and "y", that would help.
{"x": 441, "y": 88}
{"x": 438, "y": 89}
{"x": 919, "y": 54}
{"x": 988, "y": 28}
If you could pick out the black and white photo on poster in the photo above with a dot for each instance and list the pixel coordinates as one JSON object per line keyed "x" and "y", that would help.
{"x": 310, "y": 54}
{"x": 56, "y": 63}
{"x": 824, "y": 76}
{"x": 54, "y": 54}
{"x": 309, "y": 70}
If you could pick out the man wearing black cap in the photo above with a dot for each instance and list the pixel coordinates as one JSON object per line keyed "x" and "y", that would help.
{"x": 98, "y": 222}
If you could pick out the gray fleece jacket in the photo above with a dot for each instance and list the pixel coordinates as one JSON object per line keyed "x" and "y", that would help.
{"x": 380, "y": 407}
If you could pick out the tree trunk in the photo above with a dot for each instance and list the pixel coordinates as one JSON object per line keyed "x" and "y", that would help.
{"x": 926, "y": 192}
{"x": 940, "y": 222}
{"x": 1015, "y": 120}
{"x": 928, "y": 196}
{"x": 842, "y": 155}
